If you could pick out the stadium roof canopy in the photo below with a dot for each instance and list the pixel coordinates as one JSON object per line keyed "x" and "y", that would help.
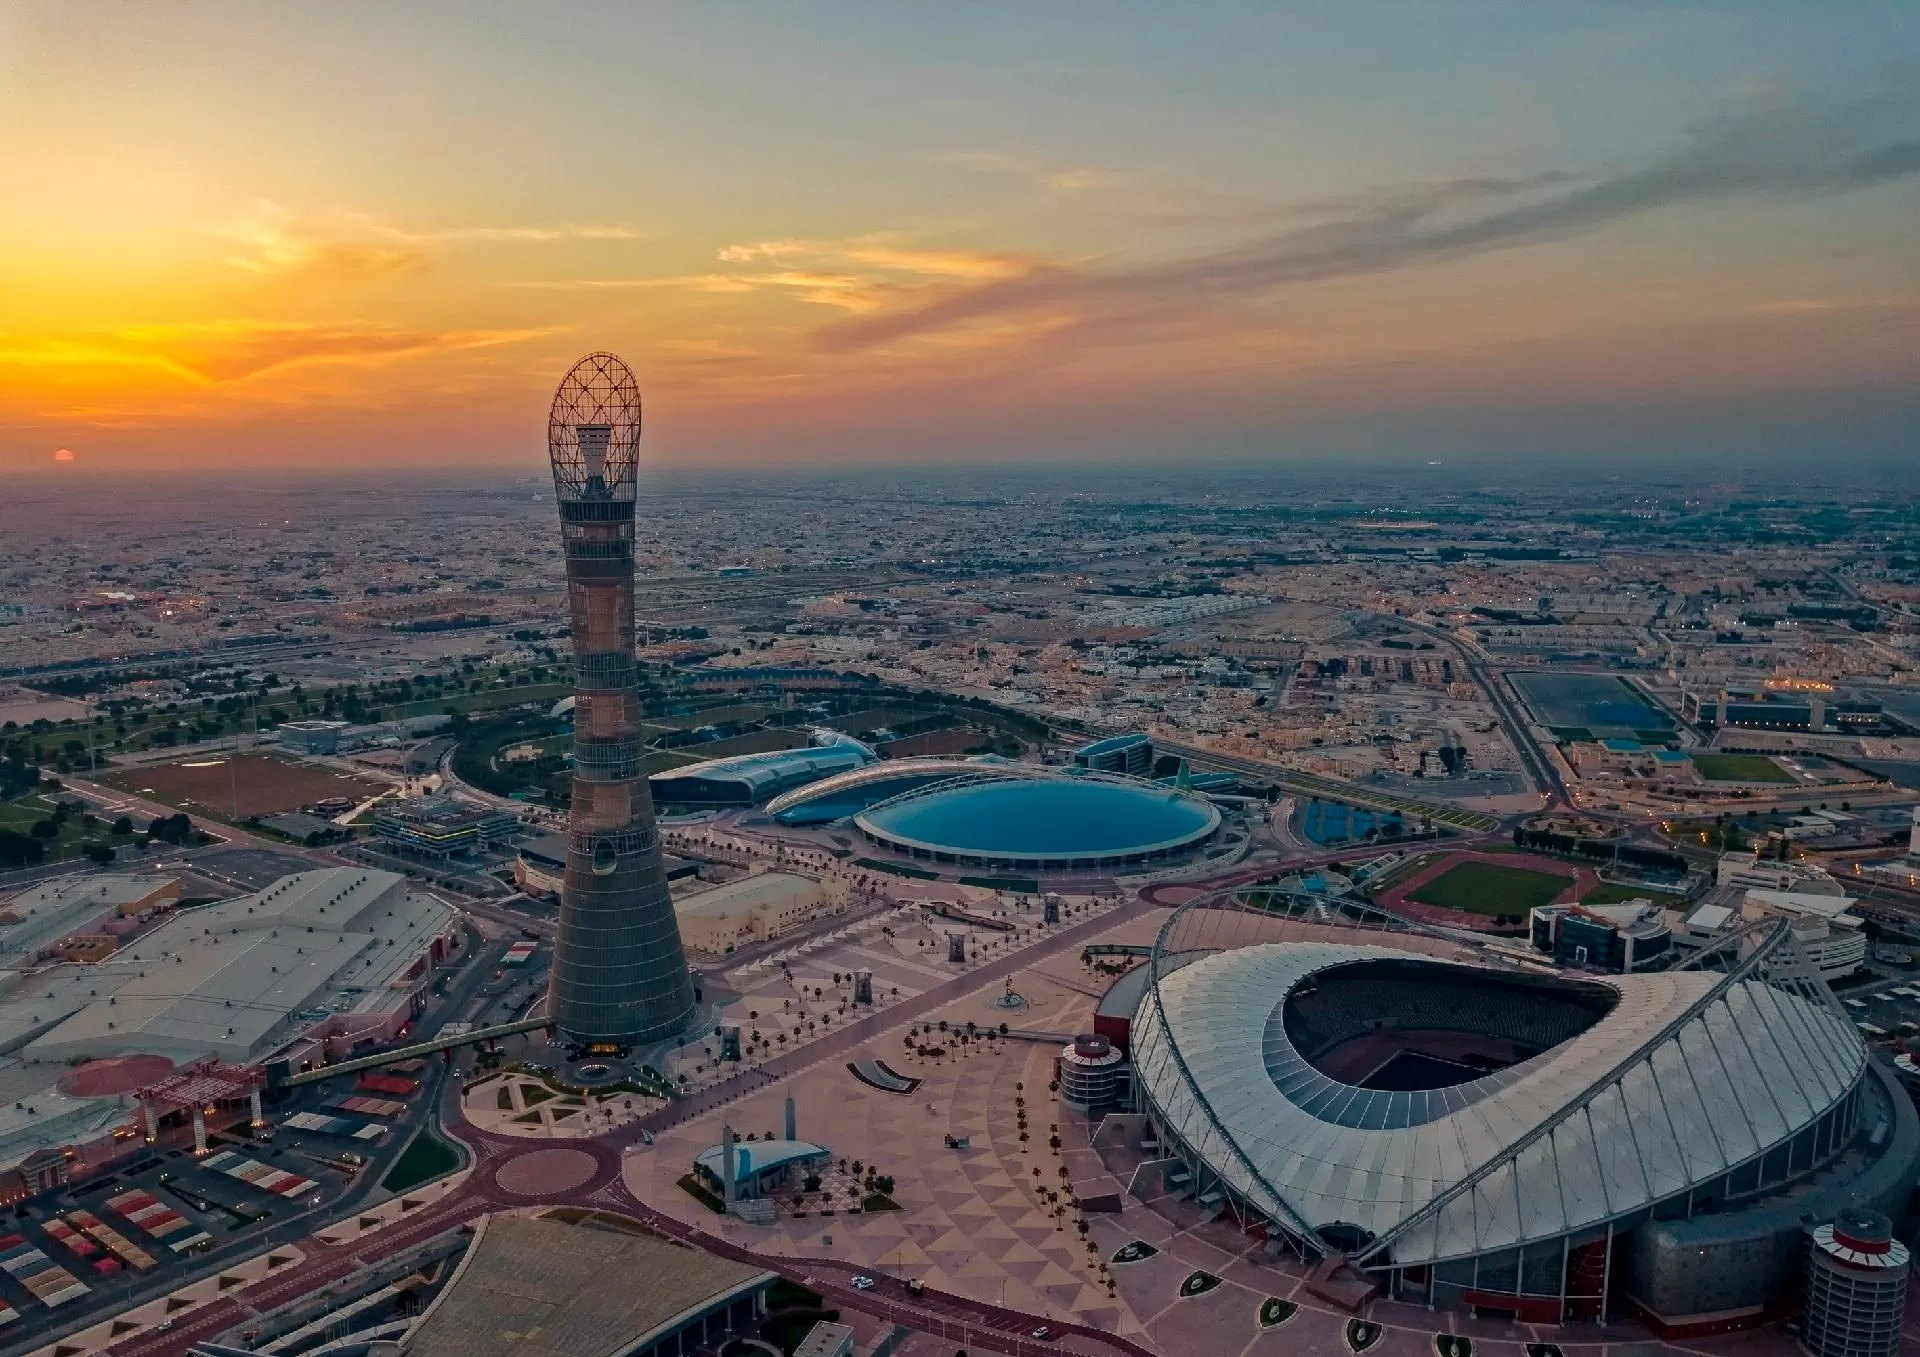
{"x": 745, "y": 778}
{"x": 1688, "y": 1076}
{"x": 543, "y": 1288}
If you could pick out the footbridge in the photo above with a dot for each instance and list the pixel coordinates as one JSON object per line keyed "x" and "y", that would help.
{"x": 279, "y": 1075}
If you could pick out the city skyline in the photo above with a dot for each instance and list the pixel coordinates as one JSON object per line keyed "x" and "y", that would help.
{"x": 841, "y": 237}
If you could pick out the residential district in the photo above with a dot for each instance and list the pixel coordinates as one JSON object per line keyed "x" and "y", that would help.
{"x": 998, "y": 916}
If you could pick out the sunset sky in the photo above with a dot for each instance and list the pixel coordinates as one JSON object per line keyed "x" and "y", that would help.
{"x": 370, "y": 234}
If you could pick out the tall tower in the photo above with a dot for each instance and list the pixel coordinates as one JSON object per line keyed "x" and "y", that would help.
{"x": 619, "y": 974}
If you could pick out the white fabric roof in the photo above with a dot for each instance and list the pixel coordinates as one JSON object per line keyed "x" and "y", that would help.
{"x": 1748, "y": 1071}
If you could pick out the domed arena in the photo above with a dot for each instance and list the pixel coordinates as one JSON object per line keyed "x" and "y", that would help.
{"x": 1456, "y": 1131}
{"x": 1050, "y": 823}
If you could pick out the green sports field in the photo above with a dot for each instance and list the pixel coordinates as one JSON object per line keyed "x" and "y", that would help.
{"x": 1486, "y": 888}
{"x": 1739, "y": 768}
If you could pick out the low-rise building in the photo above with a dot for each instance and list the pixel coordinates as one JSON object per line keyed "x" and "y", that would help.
{"x": 36, "y": 922}
{"x": 753, "y": 908}
{"x": 1827, "y": 933}
{"x": 311, "y": 737}
{"x": 343, "y": 954}
{"x": 1751, "y": 873}
{"x": 1630, "y": 935}
{"x": 441, "y": 826}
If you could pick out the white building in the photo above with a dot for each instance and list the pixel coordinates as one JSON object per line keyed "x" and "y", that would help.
{"x": 343, "y": 952}
{"x": 1750, "y": 873}
{"x": 753, "y": 908}
{"x": 1829, "y": 936}
{"x": 36, "y": 919}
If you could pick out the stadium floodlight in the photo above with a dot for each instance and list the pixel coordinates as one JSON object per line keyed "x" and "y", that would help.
{"x": 619, "y": 973}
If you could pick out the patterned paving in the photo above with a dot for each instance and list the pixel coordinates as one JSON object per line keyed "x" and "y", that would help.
{"x": 972, "y": 1220}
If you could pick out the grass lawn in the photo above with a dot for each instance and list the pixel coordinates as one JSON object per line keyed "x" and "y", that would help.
{"x": 1485, "y": 888}
{"x": 1740, "y": 768}
{"x": 426, "y": 1157}
{"x": 23, "y": 812}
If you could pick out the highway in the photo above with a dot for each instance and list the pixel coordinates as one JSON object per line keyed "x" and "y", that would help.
{"x": 1540, "y": 770}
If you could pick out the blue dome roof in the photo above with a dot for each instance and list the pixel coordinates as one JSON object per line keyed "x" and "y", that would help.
{"x": 1051, "y": 820}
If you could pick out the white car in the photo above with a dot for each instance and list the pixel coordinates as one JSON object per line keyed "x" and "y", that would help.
{"x": 863, "y": 1283}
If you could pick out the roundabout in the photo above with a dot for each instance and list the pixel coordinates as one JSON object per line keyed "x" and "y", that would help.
{"x": 545, "y": 1173}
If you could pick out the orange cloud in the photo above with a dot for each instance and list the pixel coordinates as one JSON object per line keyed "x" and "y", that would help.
{"x": 209, "y": 353}
{"x": 343, "y": 245}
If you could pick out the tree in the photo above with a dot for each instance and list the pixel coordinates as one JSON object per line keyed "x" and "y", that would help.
{"x": 45, "y": 829}
{"x": 123, "y": 825}
{"x": 18, "y": 850}
{"x": 100, "y": 853}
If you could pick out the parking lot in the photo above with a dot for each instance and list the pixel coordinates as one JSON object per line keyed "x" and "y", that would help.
{"x": 1884, "y": 1008}
{"x": 142, "y": 1228}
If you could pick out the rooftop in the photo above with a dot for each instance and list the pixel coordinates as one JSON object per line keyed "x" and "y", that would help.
{"x": 234, "y": 978}
{"x": 43, "y": 914}
{"x": 745, "y": 893}
{"x": 1044, "y": 819}
{"x": 540, "y": 1288}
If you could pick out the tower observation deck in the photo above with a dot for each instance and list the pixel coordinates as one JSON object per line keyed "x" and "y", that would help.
{"x": 619, "y": 974}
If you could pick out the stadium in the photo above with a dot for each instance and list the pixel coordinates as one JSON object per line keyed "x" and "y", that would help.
{"x": 1415, "y": 1116}
{"x": 1041, "y": 822}
{"x": 847, "y": 794}
{"x": 745, "y": 779}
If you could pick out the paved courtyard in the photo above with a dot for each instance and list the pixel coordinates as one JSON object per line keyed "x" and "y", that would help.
{"x": 974, "y": 1221}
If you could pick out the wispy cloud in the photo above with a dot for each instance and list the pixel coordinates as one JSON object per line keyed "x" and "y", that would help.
{"x": 1064, "y": 178}
{"x": 341, "y": 244}
{"x": 1778, "y": 148}
{"x": 692, "y": 282}
{"x": 216, "y": 352}
{"x": 1814, "y": 306}
{"x": 862, "y": 274}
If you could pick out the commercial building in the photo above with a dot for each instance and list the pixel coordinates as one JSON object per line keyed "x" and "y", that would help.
{"x": 441, "y": 826}
{"x": 534, "y": 1287}
{"x": 619, "y": 974}
{"x": 753, "y": 908}
{"x": 311, "y": 737}
{"x": 1750, "y": 873}
{"x": 1131, "y": 755}
{"x": 1631, "y": 935}
{"x": 1785, "y": 705}
{"x": 327, "y": 961}
{"x": 1829, "y": 935}
{"x": 342, "y": 954}
{"x": 35, "y": 923}
{"x": 1466, "y": 1135}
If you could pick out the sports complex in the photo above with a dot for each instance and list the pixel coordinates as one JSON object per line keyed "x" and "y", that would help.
{"x": 1078, "y": 823}
{"x": 1418, "y": 1116}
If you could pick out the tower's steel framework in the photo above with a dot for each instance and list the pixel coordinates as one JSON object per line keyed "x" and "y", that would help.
{"x": 619, "y": 974}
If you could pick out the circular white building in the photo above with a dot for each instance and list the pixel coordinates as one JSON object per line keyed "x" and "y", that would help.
{"x": 1857, "y": 1275}
{"x": 1092, "y": 1073}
